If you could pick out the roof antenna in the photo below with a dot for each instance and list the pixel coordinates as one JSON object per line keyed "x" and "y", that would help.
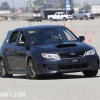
{"x": 29, "y": 23}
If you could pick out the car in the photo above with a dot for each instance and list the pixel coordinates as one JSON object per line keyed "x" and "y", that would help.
{"x": 46, "y": 50}
{"x": 84, "y": 14}
{"x": 60, "y": 16}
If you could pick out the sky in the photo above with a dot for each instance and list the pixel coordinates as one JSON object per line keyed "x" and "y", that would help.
{"x": 23, "y": 3}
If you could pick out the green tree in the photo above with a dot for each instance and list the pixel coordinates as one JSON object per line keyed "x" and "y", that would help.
{"x": 5, "y": 6}
{"x": 86, "y": 7}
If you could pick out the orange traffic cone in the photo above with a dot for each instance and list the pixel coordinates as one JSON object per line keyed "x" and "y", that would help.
{"x": 74, "y": 31}
{"x": 50, "y": 23}
{"x": 93, "y": 34}
{"x": 65, "y": 24}
{"x": 85, "y": 33}
{"x": 89, "y": 40}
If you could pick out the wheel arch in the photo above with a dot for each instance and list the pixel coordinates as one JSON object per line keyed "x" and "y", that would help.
{"x": 29, "y": 57}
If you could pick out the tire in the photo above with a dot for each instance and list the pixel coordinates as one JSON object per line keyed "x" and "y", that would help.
{"x": 90, "y": 73}
{"x": 86, "y": 18}
{"x": 3, "y": 70}
{"x": 75, "y": 18}
{"x": 64, "y": 19}
{"x": 31, "y": 70}
{"x": 51, "y": 19}
{"x": 81, "y": 18}
{"x": 92, "y": 18}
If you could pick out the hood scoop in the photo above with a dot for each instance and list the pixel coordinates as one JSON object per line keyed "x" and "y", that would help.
{"x": 66, "y": 45}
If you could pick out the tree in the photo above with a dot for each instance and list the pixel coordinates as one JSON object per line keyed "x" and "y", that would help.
{"x": 86, "y": 7}
{"x": 5, "y": 6}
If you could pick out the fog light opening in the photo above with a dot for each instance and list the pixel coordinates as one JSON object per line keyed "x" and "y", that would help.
{"x": 46, "y": 67}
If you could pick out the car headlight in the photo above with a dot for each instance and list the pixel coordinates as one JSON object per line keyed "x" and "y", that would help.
{"x": 90, "y": 52}
{"x": 51, "y": 56}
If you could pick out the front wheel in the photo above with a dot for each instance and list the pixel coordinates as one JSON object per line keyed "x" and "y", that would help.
{"x": 90, "y": 73}
{"x": 64, "y": 19}
{"x": 3, "y": 70}
{"x": 75, "y": 18}
{"x": 51, "y": 19}
{"x": 86, "y": 18}
{"x": 92, "y": 18}
{"x": 31, "y": 69}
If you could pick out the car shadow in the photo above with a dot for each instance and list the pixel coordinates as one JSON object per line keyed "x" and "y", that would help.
{"x": 55, "y": 77}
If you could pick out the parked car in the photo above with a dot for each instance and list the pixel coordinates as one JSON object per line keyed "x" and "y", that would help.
{"x": 60, "y": 16}
{"x": 83, "y": 15}
{"x": 46, "y": 49}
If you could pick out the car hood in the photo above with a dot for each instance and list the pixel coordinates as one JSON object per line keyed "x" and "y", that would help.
{"x": 66, "y": 47}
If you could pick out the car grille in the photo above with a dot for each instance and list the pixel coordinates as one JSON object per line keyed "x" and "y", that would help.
{"x": 74, "y": 66}
{"x": 70, "y": 55}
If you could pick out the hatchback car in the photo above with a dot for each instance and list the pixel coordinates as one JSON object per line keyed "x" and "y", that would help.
{"x": 45, "y": 50}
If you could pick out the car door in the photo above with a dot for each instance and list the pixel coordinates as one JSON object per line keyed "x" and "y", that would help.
{"x": 11, "y": 50}
{"x": 57, "y": 16}
{"x": 21, "y": 52}
{"x": 60, "y": 16}
{"x": 79, "y": 15}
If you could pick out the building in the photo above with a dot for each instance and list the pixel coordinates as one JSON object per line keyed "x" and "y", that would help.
{"x": 55, "y": 3}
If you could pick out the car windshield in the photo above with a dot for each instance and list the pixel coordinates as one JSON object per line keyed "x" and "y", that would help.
{"x": 50, "y": 35}
{"x": 86, "y": 11}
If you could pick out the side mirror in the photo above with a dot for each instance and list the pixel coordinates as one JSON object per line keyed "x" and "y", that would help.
{"x": 21, "y": 43}
{"x": 81, "y": 38}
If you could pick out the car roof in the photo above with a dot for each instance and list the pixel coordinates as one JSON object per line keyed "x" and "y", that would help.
{"x": 41, "y": 27}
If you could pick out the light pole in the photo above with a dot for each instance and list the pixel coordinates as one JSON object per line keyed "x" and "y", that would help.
{"x": 13, "y": 9}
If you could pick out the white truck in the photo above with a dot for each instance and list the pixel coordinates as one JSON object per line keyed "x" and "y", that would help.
{"x": 60, "y": 16}
{"x": 96, "y": 9}
{"x": 37, "y": 14}
{"x": 84, "y": 14}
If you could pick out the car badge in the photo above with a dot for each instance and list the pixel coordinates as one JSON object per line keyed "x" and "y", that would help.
{"x": 72, "y": 54}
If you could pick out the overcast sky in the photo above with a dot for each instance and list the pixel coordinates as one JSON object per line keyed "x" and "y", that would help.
{"x": 22, "y": 3}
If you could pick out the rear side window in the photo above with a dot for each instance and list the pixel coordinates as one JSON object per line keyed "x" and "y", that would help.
{"x": 13, "y": 37}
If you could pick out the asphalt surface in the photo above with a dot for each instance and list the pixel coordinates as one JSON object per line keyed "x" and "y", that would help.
{"x": 70, "y": 86}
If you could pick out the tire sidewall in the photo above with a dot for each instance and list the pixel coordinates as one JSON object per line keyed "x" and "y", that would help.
{"x": 4, "y": 70}
{"x": 28, "y": 70}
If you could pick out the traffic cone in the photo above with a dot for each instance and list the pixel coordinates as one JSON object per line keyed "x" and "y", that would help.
{"x": 85, "y": 33}
{"x": 74, "y": 31}
{"x": 93, "y": 34}
{"x": 50, "y": 23}
{"x": 65, "y": 24}
{"x": 89, "y": 40}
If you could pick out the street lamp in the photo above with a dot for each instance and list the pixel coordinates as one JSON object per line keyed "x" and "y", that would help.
{"x": 13, "y": 9}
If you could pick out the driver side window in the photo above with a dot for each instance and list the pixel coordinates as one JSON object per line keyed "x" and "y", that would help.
{"x": 13, "y": 37}
{"x": 22, "y": 37}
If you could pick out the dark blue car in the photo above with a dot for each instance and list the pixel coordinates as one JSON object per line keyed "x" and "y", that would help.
{"x": 49, "y": 49}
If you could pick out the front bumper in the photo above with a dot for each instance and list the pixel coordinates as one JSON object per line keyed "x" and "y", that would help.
{"x": 68, "y": 65}
{"x": 70, "y": 17}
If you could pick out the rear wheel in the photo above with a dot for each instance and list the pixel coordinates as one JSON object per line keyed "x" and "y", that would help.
{"x": 81, "y": 18}
{"x": 3, "y": 70}
{"x": 31, "y": 69}
{"x": 75, "y": 18}
{"x": 92, "y": 18}
{"x": 86, "y": 18}
{"x": 51, "y": 19}
{"x": 90, "y": 73}
{"x": 64, "y": 19}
